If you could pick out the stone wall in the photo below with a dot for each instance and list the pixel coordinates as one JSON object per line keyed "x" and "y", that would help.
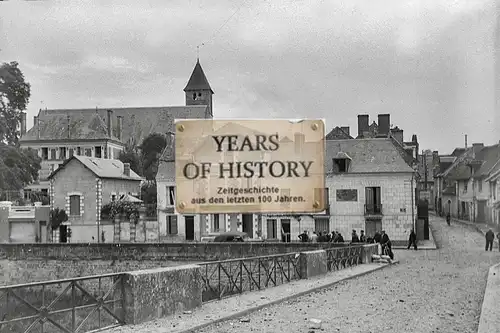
{"x": 152, "y": 251}
{"x": 22, "y": 263}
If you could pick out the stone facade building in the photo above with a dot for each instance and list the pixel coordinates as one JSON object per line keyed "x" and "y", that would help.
{"x": 81, "y": 186}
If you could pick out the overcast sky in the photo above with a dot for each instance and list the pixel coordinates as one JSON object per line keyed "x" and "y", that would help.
{"x": 430, "y": 64}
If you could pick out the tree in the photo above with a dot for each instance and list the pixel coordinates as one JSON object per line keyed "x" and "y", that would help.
{"x": 14, "y": 97}
{"x": 18, "y": 167}
{"x": 57, "y": 217}
{"x": 151, "y": 149}
{"x": 130, "y": 155}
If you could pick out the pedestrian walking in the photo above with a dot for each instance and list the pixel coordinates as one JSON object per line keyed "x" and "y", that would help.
{"x": 498, "y": 236}
{"x": 386, "y": 242}
{"x": 490, "y": 237}
{"x": 412, "y": 240}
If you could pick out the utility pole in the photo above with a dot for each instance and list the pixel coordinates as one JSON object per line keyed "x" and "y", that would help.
{"x": 424, "y": 158}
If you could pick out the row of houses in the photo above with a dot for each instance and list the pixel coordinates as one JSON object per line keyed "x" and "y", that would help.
{"x": 372, "y": 179}
{"x": 467, "y": 182}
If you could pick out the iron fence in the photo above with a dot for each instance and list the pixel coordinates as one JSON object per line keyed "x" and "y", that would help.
{"x": 342, "y": 257}
{"x": 71, "y": 305}
{"x": 235, "y": 276}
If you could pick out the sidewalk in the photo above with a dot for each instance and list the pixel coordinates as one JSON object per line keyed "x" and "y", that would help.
{"x": 242, "y": 305}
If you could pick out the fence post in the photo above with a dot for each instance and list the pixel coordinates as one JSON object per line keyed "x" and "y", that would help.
{"x": 142, "y": 219}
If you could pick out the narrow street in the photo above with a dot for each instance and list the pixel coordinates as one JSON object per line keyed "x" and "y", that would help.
{"x": 428, "y": 291}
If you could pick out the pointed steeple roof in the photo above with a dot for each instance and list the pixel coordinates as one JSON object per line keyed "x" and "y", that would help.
{"x": 198, "y": 80}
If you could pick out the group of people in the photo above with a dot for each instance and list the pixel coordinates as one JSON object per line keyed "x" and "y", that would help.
{"x": 333, "y": 237}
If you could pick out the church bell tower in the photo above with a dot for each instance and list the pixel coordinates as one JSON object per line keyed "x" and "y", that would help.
{"x": 198, "y": 90}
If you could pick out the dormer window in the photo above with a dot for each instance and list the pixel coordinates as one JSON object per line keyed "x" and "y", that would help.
{"x": 341, "y": 162}
{"x": 194, "y": 96}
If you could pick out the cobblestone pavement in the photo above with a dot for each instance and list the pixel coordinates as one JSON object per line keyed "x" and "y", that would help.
{"x": 429, "y": 291}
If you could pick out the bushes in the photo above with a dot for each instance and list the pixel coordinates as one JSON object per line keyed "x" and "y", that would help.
{"x": 117, "y": 208}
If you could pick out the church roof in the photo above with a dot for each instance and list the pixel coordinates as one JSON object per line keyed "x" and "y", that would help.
{"x": 198, "y": 80}
{"x": 87, "y": 124}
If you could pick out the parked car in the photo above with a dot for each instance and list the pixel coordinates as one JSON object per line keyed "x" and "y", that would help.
{"x": 231, "y": 236}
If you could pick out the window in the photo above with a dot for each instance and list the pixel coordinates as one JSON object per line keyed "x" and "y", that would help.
{"x": 373, "y": 200}
{"x": 98, "y": 152}
{"x": 272, "y": 226}
{"x": 172, "y": 224}
{"x": 62, "y": 153}
{"x": 465, "y": 186}
{"x": 45, "y": 153}
{"x": 321, "y": 225}
{"x": 52, "y": 154}
{"x": 171, "y": 195}
{"x": 74, "y": 205}
{"x": 341, "y": 164}
{"x": 71, "y": 152}
{"x": 79, "y": 151}
{"x": 106, "y": 152}
{"x": 113, "y": 197}
{"x": 88, "y": 152}
{"x": 480, "y": 186}
{"x": 215, "y": 220}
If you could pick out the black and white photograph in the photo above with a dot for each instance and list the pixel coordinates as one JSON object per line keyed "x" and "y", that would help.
{"x": 249, "y": 166}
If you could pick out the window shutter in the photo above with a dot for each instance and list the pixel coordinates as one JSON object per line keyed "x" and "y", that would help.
{"x": 173, "y": 225}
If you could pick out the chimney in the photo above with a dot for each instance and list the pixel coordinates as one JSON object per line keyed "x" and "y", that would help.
{"x": 120, "y": 127}
{"x": 477, "y": 147}
{"x": 384, "y": 124}
{"x": 414, "y": 138}
{"x": 397, "y": 133}
{"x": 37, "y": 128}
{"x": 126, "y": 169}
{"x": 110, "y": 123}
{"x": 345, "y": 129}
{"x": 23, "y": 123}
{"x": 363, "y": 124}
{"x": 299, "y": 140}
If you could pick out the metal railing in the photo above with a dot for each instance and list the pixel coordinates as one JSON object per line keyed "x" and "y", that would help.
{"x": 235, "y": 276}
{"x": 373, "y": 209}
{"x": 69, "y": 305}
{"x": 342, "y": 257}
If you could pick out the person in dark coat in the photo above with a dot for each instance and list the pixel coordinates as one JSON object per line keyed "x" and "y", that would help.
{"x": 340, "y": 239}
{"x": 354, "y": 237}
{"x": 490, "y": 237}
{"x": 304, "y": 238}
{"x": 377, "y": 237}
{"x": 386, "y": 242}
{"x": 362, "y": 237}
{"x": 327, "y": 236}
{"x": 412, "y": 240}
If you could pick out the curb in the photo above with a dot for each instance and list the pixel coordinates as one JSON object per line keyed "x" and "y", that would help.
{"x": 281, "y": 300}
{"x": 488, "y": 319}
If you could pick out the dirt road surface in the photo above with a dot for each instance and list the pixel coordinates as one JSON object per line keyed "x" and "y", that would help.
{"x": 428, "y": 291}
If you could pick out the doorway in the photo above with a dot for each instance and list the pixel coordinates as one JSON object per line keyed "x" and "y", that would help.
{"x": 481, "y": 211}
{"x": 247, "y": 224}
{"x": 189, "y": 221}
{"x": 285, "y": 230}
{"x": 63, "y": 234}
{"x": 372, "y": 226}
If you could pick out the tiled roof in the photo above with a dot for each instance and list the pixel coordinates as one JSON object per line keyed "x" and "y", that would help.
{"x": 198, "y": 80}
{"x": 91, "y": 124}
{"x": 102, "y": 168}
{"x": 490, "y": 155}
{"x": 337, "y": 133}
{"x": 368, "y": 155}
{"x": 460, "y": 172}
{"x": 458, "y": 151}
{"x": 460, "y": 160}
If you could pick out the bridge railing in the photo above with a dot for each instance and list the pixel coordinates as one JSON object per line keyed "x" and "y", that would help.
{"x": 69, "y": 305}
{"x": 343, "y": 257}
{"x": 235, "y": 276}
